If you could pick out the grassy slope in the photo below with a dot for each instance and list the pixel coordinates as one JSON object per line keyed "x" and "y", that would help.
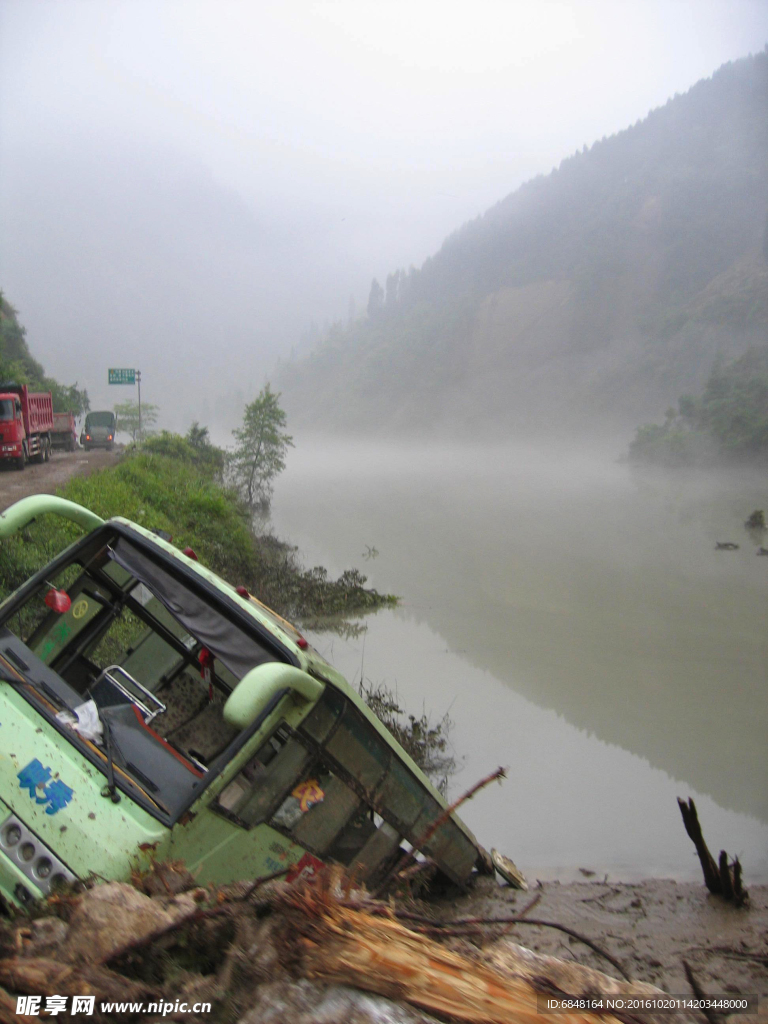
{"x": 181, "y": 496}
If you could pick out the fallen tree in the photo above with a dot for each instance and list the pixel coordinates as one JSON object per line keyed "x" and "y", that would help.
{"x": 319, "y": 950}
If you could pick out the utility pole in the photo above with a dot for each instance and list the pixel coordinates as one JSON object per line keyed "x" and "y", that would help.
{"x": 138, "y": 381}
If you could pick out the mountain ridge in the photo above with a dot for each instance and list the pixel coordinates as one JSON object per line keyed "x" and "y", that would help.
{"x": 592, "y": 295}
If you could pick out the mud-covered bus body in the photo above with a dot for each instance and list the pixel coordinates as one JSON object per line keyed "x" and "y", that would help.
{"x": 150, "y": 710}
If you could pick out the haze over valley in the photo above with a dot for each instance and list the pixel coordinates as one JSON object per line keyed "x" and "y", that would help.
{"x": 590, "y": 298}
{"x": 201, "y": 196}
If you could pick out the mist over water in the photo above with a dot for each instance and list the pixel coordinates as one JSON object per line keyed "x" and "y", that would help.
{"x": 574, "y": 617}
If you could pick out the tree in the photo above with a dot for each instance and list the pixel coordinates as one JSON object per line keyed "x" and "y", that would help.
{"x": 204, "y": 452}
{"x": 261, "y": 447}
{"x": 393, "y": 291}
{"x": 128, "y": 419}
{"x": 375, "y": 299}
{"x": 68, "y": 398}
{"x": 198, "y": 436}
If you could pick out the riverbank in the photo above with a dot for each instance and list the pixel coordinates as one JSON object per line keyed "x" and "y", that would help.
{"x": 649, "y": 927}
{"x": 323, "y": 951}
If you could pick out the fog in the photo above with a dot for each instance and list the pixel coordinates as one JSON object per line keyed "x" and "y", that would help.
{"x": 573, "y": 617}
{"x": 188, "y": 187}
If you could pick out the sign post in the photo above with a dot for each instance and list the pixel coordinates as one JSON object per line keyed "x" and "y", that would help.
{"x": 125, "y": 376}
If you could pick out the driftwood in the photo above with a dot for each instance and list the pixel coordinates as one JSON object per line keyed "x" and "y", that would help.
{"x": 474, "y": 926}
{"x": 721, "y": 878}
{"x": 324, "y": 938}
{"x": 575, "y": 979}
{"x": 286, "y": 948}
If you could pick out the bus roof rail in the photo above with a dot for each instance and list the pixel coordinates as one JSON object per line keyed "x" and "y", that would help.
{"x": 23, "y": 512}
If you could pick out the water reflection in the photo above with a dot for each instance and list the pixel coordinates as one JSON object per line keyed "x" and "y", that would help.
{"x": 581, "y": 627}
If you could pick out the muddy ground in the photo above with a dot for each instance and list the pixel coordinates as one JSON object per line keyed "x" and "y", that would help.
{"x": 649, "y": 927}
{"x": 321, "y": 952}
{"x": 46, "y": 477}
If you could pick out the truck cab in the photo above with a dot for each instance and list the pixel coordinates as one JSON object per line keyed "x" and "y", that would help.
{"x": 12, "y": 432}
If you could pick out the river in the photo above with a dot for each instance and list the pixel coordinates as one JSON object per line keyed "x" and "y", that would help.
{"x": 575, "y": 620}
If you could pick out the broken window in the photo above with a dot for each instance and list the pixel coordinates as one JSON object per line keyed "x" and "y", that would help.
{"x": 158, "y": 658}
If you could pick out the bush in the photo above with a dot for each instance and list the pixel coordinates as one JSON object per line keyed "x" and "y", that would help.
{"x": 425, "y": 742}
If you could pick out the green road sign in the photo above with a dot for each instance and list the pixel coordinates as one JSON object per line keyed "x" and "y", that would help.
{"x": 122, "y": 376}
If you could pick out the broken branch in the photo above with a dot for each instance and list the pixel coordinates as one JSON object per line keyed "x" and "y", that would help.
{"x": 720, "y": 878}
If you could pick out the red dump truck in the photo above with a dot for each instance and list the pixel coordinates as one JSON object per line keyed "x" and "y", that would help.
{"x": 26, "y": 422}
{"x": 64, "y": 434}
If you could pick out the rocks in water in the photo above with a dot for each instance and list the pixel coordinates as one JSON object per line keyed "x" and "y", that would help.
{"x": 756, "y": 520}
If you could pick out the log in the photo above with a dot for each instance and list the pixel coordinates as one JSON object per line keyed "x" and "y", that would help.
{"x": 726, "y": 882}
{"x": 8, "y": 1010}
{"x": 693, "y": 828}
{"x": 720, "y": 877}
{"x": 320, "y": 938}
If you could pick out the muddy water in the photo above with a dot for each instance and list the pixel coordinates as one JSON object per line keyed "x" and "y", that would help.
{"x": 577, "y": 622}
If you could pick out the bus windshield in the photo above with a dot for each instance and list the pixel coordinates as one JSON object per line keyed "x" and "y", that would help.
{"x": 99, "y": 419}
{"x": 158, "y": 660}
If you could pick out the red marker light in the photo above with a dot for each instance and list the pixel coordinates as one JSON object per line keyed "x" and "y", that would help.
{"x": 303, "y": 644}
{"x": 190, "y": 554}
{"x": 242, "y": 591}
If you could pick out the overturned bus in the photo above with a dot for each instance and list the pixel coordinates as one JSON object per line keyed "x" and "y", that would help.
{"x": 149, "y": 709}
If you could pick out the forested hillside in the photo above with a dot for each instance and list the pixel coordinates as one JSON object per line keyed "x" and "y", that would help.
{"x": 728, "y": 423}
{"x": 18, "y": 364}
{"x": 596, "y": 294}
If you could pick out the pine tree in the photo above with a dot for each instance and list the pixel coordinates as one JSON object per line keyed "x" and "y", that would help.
{"x": 375, "y": 299}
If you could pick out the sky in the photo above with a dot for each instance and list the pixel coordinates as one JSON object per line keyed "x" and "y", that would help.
{"x": 186, "y": 185}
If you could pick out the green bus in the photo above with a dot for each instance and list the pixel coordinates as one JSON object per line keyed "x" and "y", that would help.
{"x": 149, "y": 709}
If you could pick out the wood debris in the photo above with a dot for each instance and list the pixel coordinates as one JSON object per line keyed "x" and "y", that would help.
{"x": 336, "y": 942}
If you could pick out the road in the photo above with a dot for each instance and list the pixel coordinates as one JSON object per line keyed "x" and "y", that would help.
{"x": 47, "y": 477}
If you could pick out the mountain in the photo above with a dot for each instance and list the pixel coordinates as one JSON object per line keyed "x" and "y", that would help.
{"x": 128, "y": 252}
{"x": 594, "y": 295}
{"x": 17, "y": 364}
